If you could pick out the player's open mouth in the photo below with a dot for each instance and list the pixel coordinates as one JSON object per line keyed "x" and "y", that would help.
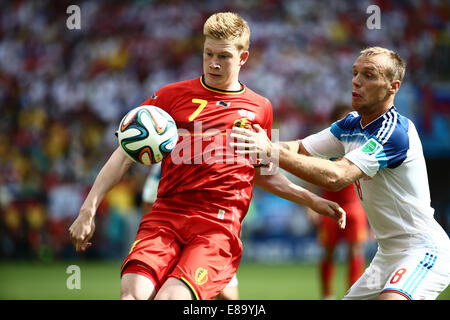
{"x": 214, "y": 75}
{"x": 356, "y": 95}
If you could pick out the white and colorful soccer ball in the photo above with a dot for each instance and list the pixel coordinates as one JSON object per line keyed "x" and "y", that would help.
{"x": 147, "y": 134}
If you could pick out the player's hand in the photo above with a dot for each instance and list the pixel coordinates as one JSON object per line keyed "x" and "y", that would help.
{"x": 330, "y": 209}
{"x": 81, "y": 231}
{"x": 252, "y": 142}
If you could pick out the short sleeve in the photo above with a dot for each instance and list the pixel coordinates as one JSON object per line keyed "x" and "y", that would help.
{"x": 377, "y": 154}
{"x": 162, "y": 98}
{"x": 324, "y": 144}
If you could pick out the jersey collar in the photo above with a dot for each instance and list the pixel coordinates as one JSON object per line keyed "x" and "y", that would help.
{"x": 202, "y": 81}
{"x": 375, "y": 120}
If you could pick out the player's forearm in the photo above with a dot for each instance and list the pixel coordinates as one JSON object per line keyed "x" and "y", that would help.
{"x": 292, "y": 146}
{"x": 108, "y": 177}
{"x": 281, "y": 186}
{"x": 321, "y": 172}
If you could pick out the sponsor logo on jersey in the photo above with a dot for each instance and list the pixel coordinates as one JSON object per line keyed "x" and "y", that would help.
{"x": 201, "y": 276}
{"x": 371, "y": 147}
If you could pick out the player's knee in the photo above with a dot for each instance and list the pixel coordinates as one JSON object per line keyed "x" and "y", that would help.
{"x": 128, "y": 296}
{"x": 172, "y": 295}
{"x": 128, "y": 293}
{"x": 136, "y": 287}
{"x": 328, "y": 253}
{"x": 228, "y": 295}
{"x": 133, "y": 294}
{"x": 355, "y": 250}
{"x": 174, "y": 289}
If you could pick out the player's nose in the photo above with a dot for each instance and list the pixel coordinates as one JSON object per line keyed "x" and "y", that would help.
{"x": 355, "y": 82}
{"x": 214, "y": 65}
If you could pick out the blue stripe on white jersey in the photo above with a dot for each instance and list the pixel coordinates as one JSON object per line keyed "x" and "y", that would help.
{"x": 389, "y": 130}
{"x": 413, "y": 281}
{"x": 388, "y": 126}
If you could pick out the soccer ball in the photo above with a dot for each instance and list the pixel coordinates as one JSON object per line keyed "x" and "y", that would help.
{"x": 147, "y": 134}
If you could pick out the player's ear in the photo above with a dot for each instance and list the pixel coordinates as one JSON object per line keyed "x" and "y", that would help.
{"x": 243, "y": 57}
{"x": 394, "y": 86}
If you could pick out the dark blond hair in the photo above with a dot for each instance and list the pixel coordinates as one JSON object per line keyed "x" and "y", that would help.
{"x": 228, "y": 26}
{"x": 396, "y": 68}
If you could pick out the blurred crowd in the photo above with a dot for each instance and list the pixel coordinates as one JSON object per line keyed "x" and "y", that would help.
{"x": 63, "y": 93}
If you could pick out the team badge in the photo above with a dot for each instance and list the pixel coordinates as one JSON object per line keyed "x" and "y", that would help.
{"x": 242, "y": 123}
{"x": 201, "y": 276}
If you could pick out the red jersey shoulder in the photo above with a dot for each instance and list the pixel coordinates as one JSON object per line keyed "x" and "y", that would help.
{"x": 259, "y": 99}
{"x": 262, "y": 102}
{"x": 166, "y": 96}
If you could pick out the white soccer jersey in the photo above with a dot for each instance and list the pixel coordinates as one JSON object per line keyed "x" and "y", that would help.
{"x": 395, "y": 196}
{"x": 150, "y": 189}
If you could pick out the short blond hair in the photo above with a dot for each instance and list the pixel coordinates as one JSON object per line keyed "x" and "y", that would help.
{"x": 397, "y": 66}
{"x": 228, "y": 26}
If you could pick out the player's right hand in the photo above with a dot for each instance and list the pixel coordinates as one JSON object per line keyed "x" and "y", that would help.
{"x": 81, "y": 231}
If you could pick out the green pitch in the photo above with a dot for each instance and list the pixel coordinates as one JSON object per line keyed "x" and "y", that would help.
{"x": 100, "y": 280}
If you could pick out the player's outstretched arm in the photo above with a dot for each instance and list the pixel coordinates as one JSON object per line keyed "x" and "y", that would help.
{"x": 280, "y": 185}
{"x": 83, "y": 227}
{"x": 331, "y": 175}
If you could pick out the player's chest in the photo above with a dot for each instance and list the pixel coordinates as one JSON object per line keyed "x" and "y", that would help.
{"x": 221, "y": 113}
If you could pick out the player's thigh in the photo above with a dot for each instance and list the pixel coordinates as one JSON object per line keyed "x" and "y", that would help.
{"x": 135, "y": 286}
{"x": 422, "y": 273}
{"x": 207, "y": 264}
{"x": 153, "y": 255}
{"x": 369, "y": 285}
{"x": 174, "y": 289}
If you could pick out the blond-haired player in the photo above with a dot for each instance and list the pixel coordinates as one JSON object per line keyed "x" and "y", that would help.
{"x": 382, "y": 156}
{"x": 188, "y": 246}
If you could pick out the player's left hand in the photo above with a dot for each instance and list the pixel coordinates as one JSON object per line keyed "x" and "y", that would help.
{"x": 252, "y": 142}
{"x": 81, "y": 231}
{"x": 330, "y": 209}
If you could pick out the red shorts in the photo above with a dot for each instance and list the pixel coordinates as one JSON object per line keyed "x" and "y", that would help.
{"x": 355, "y": 231}
{"x": 201, "y": 254}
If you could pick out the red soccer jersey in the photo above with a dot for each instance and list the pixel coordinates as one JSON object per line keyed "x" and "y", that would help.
{"x": 202, "y": 176}
{"x": 345, "y": 195}
{"x": 356, "y": 228}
